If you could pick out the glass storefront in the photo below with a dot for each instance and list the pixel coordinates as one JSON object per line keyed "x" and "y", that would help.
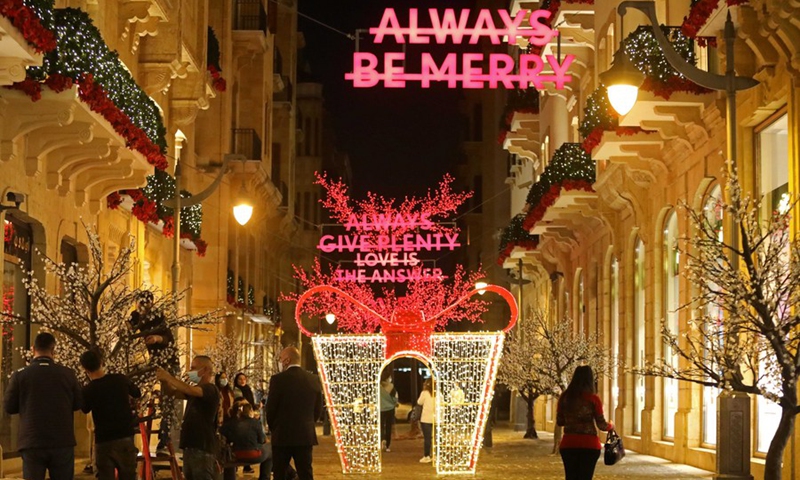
{"x": 17, "y": 241}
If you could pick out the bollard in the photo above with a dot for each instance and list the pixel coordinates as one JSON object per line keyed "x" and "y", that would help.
{"x": 733, "y": 436}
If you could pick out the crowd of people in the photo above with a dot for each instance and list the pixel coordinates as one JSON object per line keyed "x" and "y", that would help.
{"x": 45, "y": 394}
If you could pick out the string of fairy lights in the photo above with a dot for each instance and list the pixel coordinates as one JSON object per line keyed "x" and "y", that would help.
{"x": 464, "y": 368}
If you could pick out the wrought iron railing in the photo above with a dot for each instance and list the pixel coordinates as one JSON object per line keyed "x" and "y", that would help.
{"x": 245, "y": 141}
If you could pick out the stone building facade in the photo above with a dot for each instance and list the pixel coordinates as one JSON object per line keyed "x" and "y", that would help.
{"x": 220, "y": 79}
{"x": 605, "y": 256}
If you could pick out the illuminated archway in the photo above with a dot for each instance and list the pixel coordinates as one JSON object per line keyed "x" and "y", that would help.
{"x": 464, "y": 366}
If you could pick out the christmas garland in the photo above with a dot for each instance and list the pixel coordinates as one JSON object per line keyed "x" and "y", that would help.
{"x": 213, "y": 61}
{"x": 598, "y": 117}
{"x": 239, "y": 303}
{"x": 33, "y": 19}
{"x": 82, "y": 57}
{"x": 514, "y": 235}
{"x": 646, "y": 54}
{"x": 699, "y": 13}
{"x": 570, "y": 169}
{"x": 148, "y": 207}
{"x": 271, "y": 310}
{"x": 522, "y": 101}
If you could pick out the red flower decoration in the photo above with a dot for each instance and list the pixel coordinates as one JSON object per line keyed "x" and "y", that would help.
{"x": 537, "y": 212}
{"x": 58, "y": 83}
{"x": 29, "y": 24}
{"x": 217, "y": 81}
{"x": 29, "y": 87}
{"x": 114, "y": 200}
{"x": 699, "y": 15}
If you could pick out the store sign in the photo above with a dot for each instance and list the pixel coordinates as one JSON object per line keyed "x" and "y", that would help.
{"x": 386, "y": 248}
{"x": 466, "y": 70}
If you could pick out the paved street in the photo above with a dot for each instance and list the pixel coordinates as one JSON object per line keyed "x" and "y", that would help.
{"x": 512, "y": 457}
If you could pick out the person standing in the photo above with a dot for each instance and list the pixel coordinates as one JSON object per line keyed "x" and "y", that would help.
{"x": 426, "y": 419}
{"x": 108, "y": 398}
{"x": 45, "y": 395}
{"x": 242, "y": 390}
{"x": 388, "y": 406}
{"x": 294, "y": 404}
{"x": 199, "y": 427}
{"x": 226, "y": 396}
{"x": 579, "y": 409}
{"x": 160, "y": 342}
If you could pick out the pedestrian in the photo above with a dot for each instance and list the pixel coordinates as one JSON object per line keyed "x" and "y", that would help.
{"x": 426, "y": 419}
{"x": 579, "y": 409}
{"x": 45, "y": 395}
{"x": 242, "y": 390}
{"x": 388, "y": 416}
{"x": 108, "y": 398}
{"x": 294, "y": 404}
{"x": 199, "y": 427}
{"x": 249, "y": 442}
{"x": 160, "y": 342}
{"x": 225, "y": 395}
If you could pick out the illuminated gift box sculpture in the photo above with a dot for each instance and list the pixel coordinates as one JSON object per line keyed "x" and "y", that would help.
{"x": 464, "y": 366}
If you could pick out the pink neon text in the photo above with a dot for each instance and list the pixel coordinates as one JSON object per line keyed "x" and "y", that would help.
{"x": 447, "y": 25}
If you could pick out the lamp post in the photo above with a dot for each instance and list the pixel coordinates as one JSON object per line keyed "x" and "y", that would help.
{"x": 733, "y": 408}
{"x": 177, "y": 203}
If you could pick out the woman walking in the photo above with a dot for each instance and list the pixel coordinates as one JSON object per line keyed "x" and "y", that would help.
{"x": 388, "y": 406}
{"x": 426, "y": 419}
{"x": 579, "y": 409}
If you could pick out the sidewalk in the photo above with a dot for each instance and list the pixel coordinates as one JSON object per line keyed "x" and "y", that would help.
{"x": 512, "y": 457}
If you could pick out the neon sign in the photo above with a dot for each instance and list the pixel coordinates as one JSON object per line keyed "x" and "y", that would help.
{"x": 387, "y": 247}
{"x": 468, "y": 70}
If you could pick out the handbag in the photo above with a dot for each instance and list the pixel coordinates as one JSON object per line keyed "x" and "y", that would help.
{"x": 614, "y": 451}
{"x": 416, "y": 414}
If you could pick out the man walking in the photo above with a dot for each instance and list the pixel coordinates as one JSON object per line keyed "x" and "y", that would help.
{"x": 45, "y": 395}
{"x": 198, "y": 430}
{"x": 108, "y": 397}
{"x": 294, "y": 404}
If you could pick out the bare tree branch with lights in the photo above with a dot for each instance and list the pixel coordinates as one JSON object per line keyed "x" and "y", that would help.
{"x": 541, "y": 356}
{"x": 744, "y": 333}
{"x": 427, "y": 296}
{"x": 90, "y": 310}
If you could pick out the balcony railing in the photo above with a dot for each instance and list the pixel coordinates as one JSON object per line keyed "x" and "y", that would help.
{"x": 245, "y": 141}
{"x": 250, "y": 15}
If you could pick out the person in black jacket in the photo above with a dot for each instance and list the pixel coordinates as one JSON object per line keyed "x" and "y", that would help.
{"x": 249, "y": 442}
{"x": 160, "y": 343}
{"x": 108, "y": 397}
{"x": 45, "y": 394}
{"x": 294, "y": 404}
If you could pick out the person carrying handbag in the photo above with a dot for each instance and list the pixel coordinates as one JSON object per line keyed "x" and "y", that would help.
{"x": 579, "y": 410}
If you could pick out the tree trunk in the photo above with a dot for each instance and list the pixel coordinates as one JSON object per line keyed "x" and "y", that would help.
{"x": 530, "y": 432}
{"x": 774, "y": 461}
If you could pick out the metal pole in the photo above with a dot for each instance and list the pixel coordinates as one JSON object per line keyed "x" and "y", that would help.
{"x": 176, "y": 215}
{"x": 519, "y": 290}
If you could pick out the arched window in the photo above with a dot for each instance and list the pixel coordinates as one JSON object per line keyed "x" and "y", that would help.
{"x": 713, "y": 213}
{"x": 638, "y": 333}
{"x": 773, "y": 181}
{"x": 580, "y": 314}
{"x": 614, "y": 337}
{"x": 670, "y": 314}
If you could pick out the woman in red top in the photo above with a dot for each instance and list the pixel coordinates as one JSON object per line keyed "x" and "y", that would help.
{"x": 579, "y": 408}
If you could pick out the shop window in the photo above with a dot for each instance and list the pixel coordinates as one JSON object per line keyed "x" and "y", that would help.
{"x": 713, "y": 214}
{"x": 773, "y": 182}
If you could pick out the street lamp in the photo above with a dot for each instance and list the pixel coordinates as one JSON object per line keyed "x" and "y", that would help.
{"x": 730, "y": 405}
{"x": 622, "y": 82}
{"x": 243, "y": 207}
{"x": 481, "y": 285}
{"x": 176, "y": 203}
{"x": 330, "y": 318}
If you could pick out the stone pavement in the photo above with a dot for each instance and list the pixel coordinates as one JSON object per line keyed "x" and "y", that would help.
{"x": 512, "y": 457}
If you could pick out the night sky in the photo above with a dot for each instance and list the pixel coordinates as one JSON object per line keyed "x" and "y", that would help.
{"x": 400, "y": 141}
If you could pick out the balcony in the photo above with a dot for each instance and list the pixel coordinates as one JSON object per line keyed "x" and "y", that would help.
{"x": 250, "y": 15}
{"x": 245, "y": 141}
{"x": 21, "y": 47}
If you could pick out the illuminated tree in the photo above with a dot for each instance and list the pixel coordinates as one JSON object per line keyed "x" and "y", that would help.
{"x": 541, "y": 356}
{"x": 438, "y": 205}
{"x": 91, "y": 309}
{"x": 427, "y": 296}
{"x": 753, "y": 346}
